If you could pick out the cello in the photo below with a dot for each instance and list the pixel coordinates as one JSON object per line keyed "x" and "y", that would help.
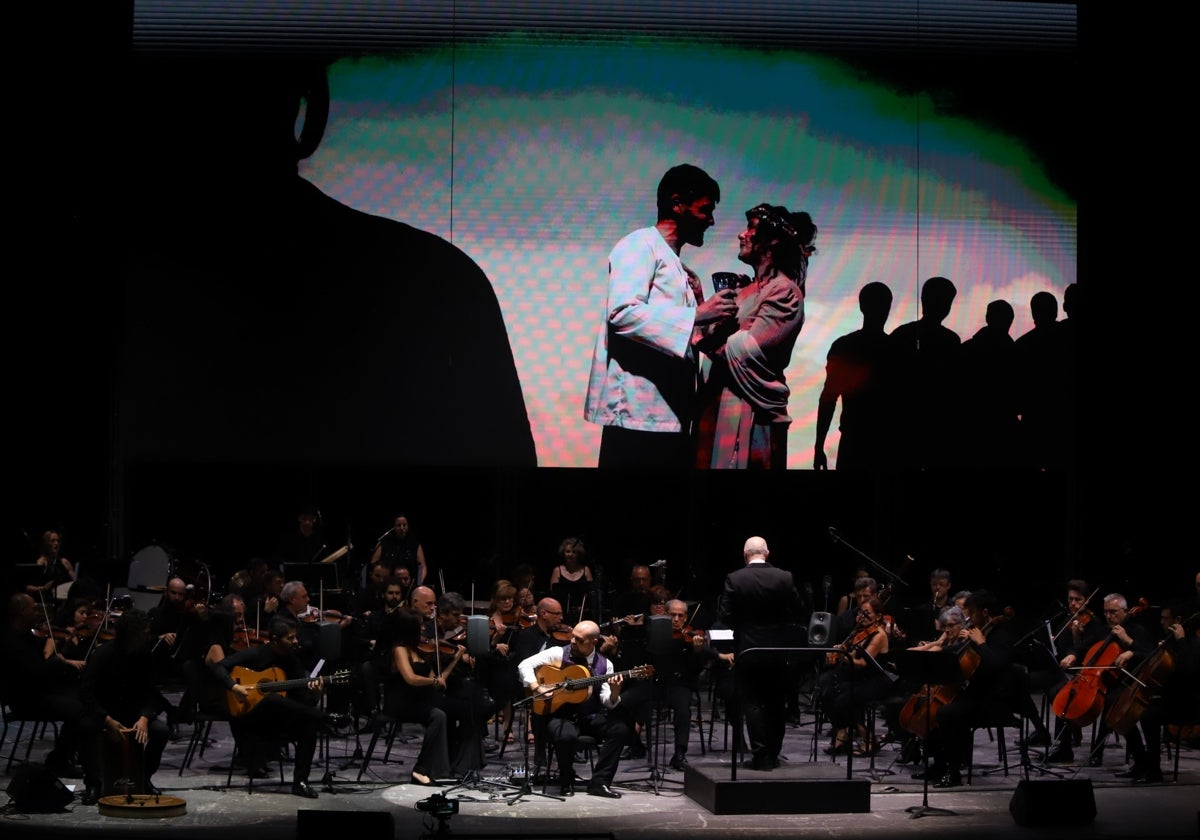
{"x": 1129, "y": 701}
{"x": 1081, "y": 701}
{"x": 919, "y": 715}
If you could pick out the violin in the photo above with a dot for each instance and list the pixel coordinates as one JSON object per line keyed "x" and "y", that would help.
{"x": 855, "y": 641}
{"x": 443, "y": 647}
{"x": 244, "y": 637}
{"x": 688, "y": 634}
{"x": 1081, "y": 701}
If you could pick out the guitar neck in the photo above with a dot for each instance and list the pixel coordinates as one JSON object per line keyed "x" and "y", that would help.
{"x": 583, "y": 682}
{"x": 280, "y": 685}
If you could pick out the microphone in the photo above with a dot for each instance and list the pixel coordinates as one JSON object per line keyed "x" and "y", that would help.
{"x": 658, "y": 564}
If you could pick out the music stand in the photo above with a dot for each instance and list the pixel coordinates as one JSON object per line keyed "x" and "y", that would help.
{"x": 929, "y": 668}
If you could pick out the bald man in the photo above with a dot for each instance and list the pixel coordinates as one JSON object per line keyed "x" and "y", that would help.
{"x": 591, "y": 717}
{"x": 762, "y": 606}
{"x": 423, "y": 601}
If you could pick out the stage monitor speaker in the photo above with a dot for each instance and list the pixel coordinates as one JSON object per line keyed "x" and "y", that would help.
{"x": 329, "y": 643}
{"x": 658, "y": 635}
{"x": 818, "y": 629}
{"x": 1053, "y": 802}
{"x": 35, "y": 790}
{"x": 361, "y": 825}
{"x": 479, "y": 641}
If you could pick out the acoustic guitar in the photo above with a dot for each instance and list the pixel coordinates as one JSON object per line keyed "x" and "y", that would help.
{"x": 259, "y": 684}
{"x": 573, "y": 684}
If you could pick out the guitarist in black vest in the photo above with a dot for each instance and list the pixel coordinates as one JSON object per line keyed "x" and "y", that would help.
{"x": 570, "y": 720}
{"x": 293, "y": 715}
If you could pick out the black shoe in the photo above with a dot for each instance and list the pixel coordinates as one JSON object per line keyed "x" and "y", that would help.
{"x": 152, "y": 789}
{"x": 678, "y": 762}
{"x": 758, "y": 764}
{"x": 951, "y": 779}
{"x": 1152, "y": 776}
{"x": 1062, "y": 755}
{"x": 1038, "y": 739}
{"x": 567, "y": 789}
{"x": 934, "y": 773}
{"x": 91, "y": 795}
{"x": 634, "y": 752}
{"x": 604, "y": 791}
{"x": 303, "y": 789}
{"x": 910, "y": 753}
{"x": 1096, "y": 760}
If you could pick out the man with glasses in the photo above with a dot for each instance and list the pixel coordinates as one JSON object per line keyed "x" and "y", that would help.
{"x": 590, "y": 717}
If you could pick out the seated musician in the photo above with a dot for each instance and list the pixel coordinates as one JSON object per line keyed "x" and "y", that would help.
{"x": 677, "y": 676}
{"x": 1082, "y": 630}
{"x": 121, "y": 701}
{"x": 1135, "y": 643}
{"x": 988, "y": 646}
{"x": 179, "y": 627}
{"x": 1177, "y": 702}
{"x": 414, "y": 691}
{"x": 40, "y": 683}
{"x": 525, "y": 643}
{"x": 465, "y": 699}
{"x": 293, "y": 715}
{"x": 591, "y": 717}
{"x": 860, "y": 677}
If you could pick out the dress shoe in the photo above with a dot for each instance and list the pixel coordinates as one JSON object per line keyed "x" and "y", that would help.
{"x": 152, "y": 789}
{"x": 1037, "y": 739}
{"x": 1062, "y": 755}
{"x": 91, "y": 795}
{"x": 567, "y": 789}
{"x": 303, "y": 789}
{"x": 949, "y": 780}
{"x": 934, "y": 773}
{"x": 678, "y": 762}
{"x": 603, "y": 791}
{"x": 1150, "y": 776}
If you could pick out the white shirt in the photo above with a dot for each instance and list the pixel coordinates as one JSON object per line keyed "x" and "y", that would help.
{"x": 553, "y": 656}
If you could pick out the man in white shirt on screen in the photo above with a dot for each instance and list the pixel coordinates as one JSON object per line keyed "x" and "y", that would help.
{"x": 643, "y": 378}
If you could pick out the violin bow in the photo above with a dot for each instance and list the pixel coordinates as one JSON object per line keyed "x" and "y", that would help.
{"x": 1073, "y": 615}
{"x": 49, "y": 626}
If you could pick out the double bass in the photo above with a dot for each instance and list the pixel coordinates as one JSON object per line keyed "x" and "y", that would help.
{"x": 1081, "y": 701}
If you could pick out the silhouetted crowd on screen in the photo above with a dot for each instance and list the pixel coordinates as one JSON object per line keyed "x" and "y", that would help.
{"x": 920, "y": 397}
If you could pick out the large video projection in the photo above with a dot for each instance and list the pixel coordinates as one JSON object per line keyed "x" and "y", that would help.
{"x": 269, "y": 324}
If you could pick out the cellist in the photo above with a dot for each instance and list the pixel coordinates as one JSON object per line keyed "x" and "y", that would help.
{"x": 1178, "y": 702}
{"x": 1081, "y": 630}
{"x": 986, "y": 659}
{"x": 1135, "y": 643}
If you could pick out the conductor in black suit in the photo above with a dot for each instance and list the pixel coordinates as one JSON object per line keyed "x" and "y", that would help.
{"x": 762, "y": 606}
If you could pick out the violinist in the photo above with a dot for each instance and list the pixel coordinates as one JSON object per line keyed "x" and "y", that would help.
{"x": 546, "y": 631}
{"x": 678, "y": 664}
{"x": 72, "y": 632}
{"x": 414, "y": 692}
{"x": 1081, "y": 631}
{"x": 1178, "y": 700}
{"x": 986, "y": 653}
{"x": 465, "y": 699}
{"x": 38, "y": 687}
{"x": 858, "y": 678}
{"x": 424, "y": 601}
{"x": 1135, "y": 644}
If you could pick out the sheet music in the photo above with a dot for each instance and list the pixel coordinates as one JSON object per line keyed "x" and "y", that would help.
{"x": 1050, "y": 636}
{"x": 316, "y": 671}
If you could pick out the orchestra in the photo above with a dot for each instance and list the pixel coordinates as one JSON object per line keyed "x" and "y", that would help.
{"x": 403, "y": 655}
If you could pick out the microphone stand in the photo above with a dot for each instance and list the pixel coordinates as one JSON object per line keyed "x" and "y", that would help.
{"x": 526, "y": 787}
{"x": 891, "y": 576}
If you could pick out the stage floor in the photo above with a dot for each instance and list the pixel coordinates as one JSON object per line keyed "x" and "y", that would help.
{"x": 651, "y": 807}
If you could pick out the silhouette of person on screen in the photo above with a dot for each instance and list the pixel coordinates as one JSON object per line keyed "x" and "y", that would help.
{"x": 922, "y": 359}
{"x": 265, "y": 320}
{"x": 1042, "y": 369}
{"x": 854, "y": 371}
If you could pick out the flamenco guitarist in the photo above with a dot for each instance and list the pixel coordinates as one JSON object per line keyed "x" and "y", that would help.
{"x": 987, "y": 657}
{"x": 292, "y": 716}
{"x": 591, "y": 717}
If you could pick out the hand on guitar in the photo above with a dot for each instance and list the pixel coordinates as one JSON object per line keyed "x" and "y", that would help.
{"x": 614, "y": 686}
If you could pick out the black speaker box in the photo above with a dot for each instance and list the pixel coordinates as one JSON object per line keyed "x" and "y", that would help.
{"x": 658, "y": 634}
{"x": 819, "y": 627}
{"x": 1053, "y": 802}
{"x": 479, "y": 631}
{"x": 361, "y": 825}
{"x": 35, "y": 790}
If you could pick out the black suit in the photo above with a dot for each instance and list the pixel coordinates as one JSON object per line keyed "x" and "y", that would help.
{"x": 762, "y": 606}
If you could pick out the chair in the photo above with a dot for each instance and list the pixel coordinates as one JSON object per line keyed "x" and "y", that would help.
{"x": 1009, "y": 718}
{"x": 387, "y": 727}
{"x": 585, "y": 743}
{"x": 37, "y": 723}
